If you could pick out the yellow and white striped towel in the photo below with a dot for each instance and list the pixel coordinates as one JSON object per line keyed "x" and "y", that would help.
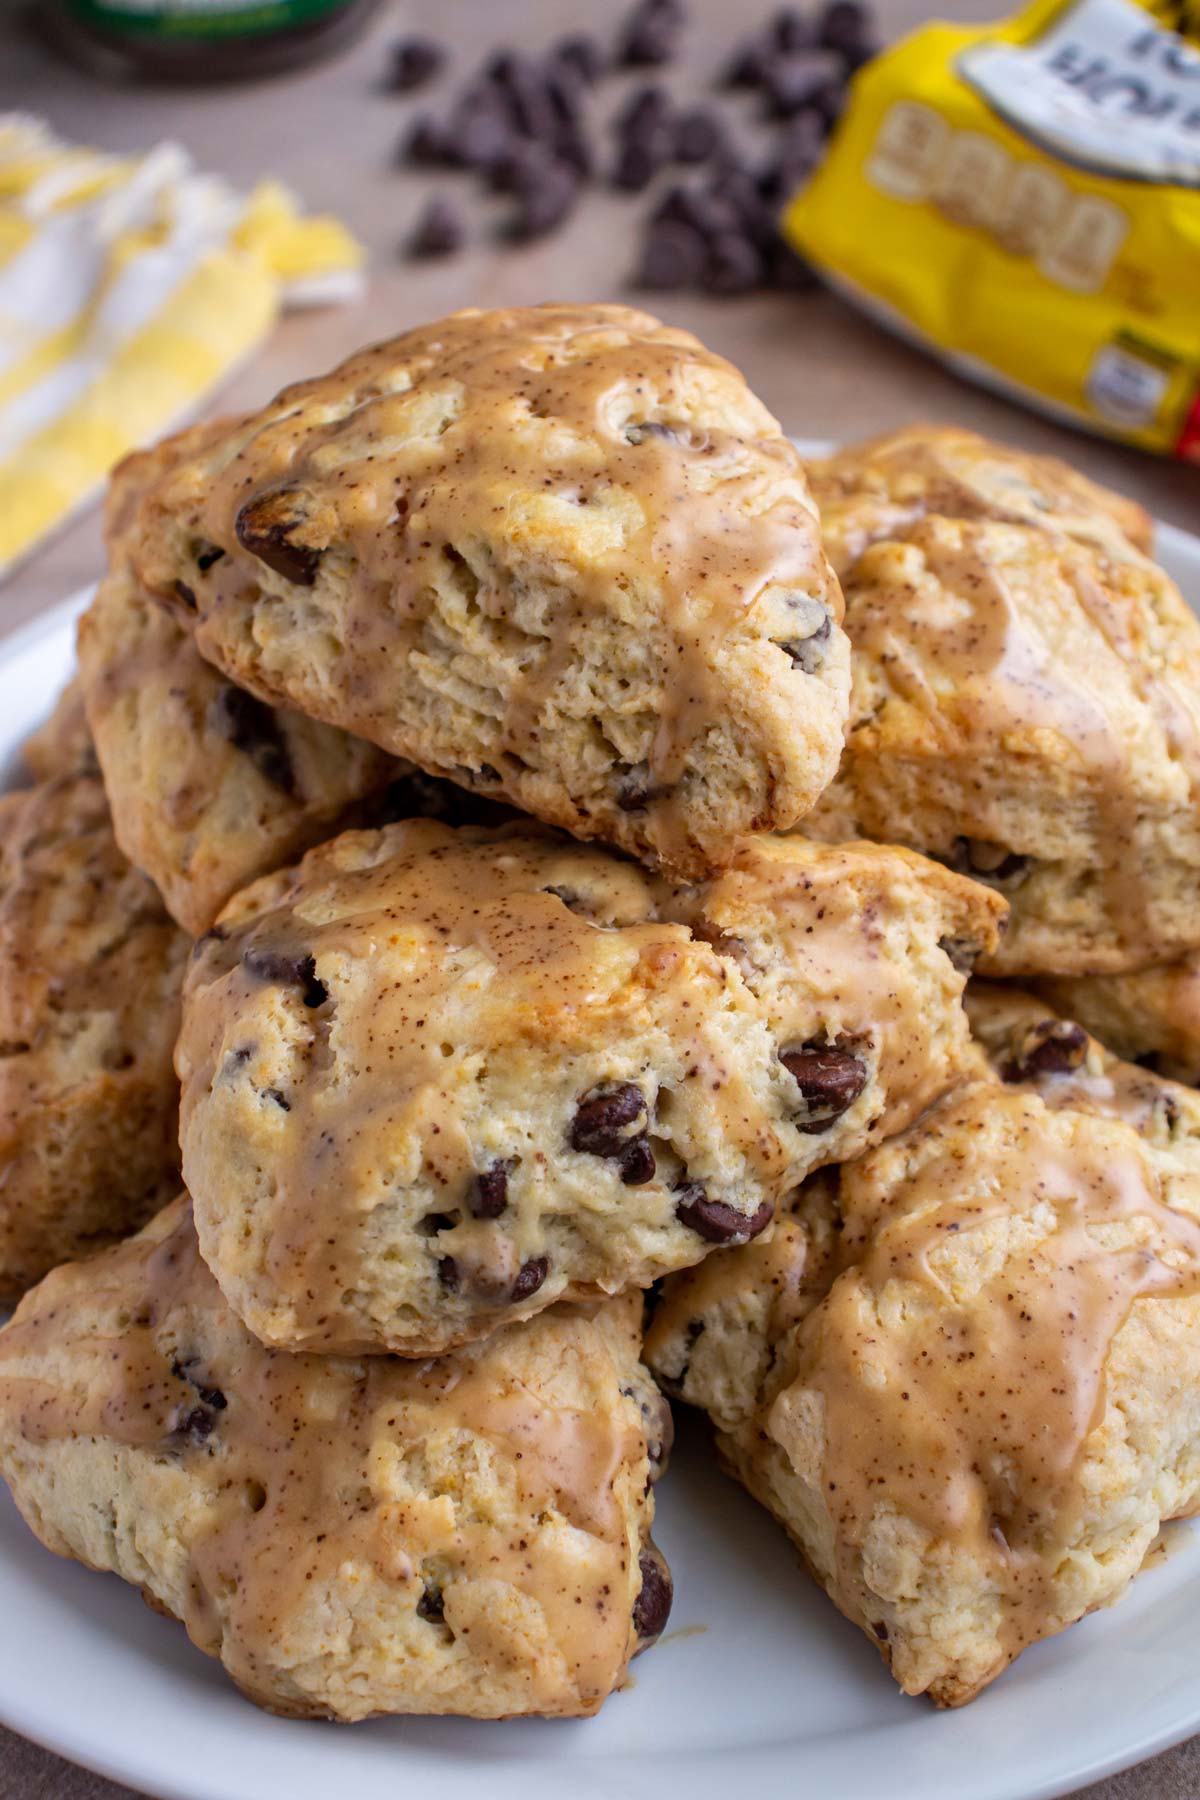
{"x": 128, "y": 288}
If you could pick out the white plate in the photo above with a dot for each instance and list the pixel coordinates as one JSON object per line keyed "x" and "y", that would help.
{"x": 759, "y": 1687}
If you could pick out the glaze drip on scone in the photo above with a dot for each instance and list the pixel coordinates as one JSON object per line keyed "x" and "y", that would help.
{"x": 351, "y": 1536}
{"x": 561, "y": 553}
{"x": 973, "y": 1421}
{"x": 514, "y": 1069}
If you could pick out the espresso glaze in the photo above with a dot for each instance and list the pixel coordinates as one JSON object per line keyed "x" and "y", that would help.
{"x": 312, "y": 1467}
{"x": 961, "y": 1393}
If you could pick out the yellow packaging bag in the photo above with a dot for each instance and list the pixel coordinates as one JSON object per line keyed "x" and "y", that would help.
{"x": 1024, "y": 200}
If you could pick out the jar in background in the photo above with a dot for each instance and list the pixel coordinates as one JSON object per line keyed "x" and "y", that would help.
{"x": 199, "y": 40}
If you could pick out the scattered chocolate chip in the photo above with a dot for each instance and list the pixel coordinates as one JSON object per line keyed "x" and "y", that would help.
{"x": 650, "y": 35}
{"x": 637, "y": 1162}
{"x": 197, "y": 1424}
{"x": 544, "y": 203}
{"x": 267, "y": 527}
{"x": 211, "y": 1396}
{"x": 185, "y": 594}
{"x": 414, "y": 61}
{"x": 734, "y": 267}
{"x": 652, "y": 1608}
{"x": 430, "y": 1605}
{"x": 253, "y": 728}
{"x": 696, "y": 136}
{"x": 488, "y": 1193}
{"x": 829, "y": 1077}
{"x": 748, "y": 64}
{"x": 790, "y": 32}
{"x": 530, "y": 1277}
{"x": 208, "y": 557}
{"x": 602, "y": 1121}
{"x": 645, "y": 107}
{"x": 715, "y": 1221}
{"x": 880, "y": 1630}
{"x": 281, "y": 1100}
{"x": 438, "y": 231}
{"x": 809, "y": 653}
{"x": 583, "y": 54}
{"x": 792, "y": 82}
{"x": 639, "y": 160}
{"x": 1053, "y": 1047}
{"x": 447, "y": 1270}
{"x": 846, "y": 25}
{"x": 285, "y": 970}
{"x": 635, "y": 789}
{"x": 964, "y": 953}
{"x": 425, "y": 146}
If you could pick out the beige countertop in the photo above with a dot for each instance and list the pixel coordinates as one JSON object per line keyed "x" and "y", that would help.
{"x": 332, "y": 133}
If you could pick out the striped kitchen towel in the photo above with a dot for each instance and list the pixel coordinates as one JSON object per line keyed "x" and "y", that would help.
{"x": 129, "y": 287}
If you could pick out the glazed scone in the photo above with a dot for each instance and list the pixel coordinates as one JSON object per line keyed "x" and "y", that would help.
{"x": 559, "y": 554}
{"x": 1151, "y": 1016}
{"x": 436, "y": 1080}
{"x": 208, "y": 787}
{"x": 90, "y": 973}
{"x": 349, "y": 1537}
{"x": 876, "y": 489}
{"x": 63, "y": 744}
{"x": 991, "y": 1400}
{"x": 1027, "y": 707}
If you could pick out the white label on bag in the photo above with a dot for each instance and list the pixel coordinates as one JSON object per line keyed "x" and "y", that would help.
{"x": 1105, "y": 87}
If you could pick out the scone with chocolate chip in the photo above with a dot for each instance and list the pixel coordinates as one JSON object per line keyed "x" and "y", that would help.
{"x": 90, "y": 972}
{"x": 966, "y": 1375}
{"x": 559, "y": 554}
{"x": 62, "y": 745}
{"x": 208, "y": 786}
{"x": 1150, "y": 1016}
{"x": 875, "y": 490}
{"x": 434, "y": 1081}
{"x": 1025, "y": 707}
{"x": 348, "y": 1536}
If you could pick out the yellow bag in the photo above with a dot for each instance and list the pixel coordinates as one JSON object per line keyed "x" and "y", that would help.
{"x": 1024, "y": 199}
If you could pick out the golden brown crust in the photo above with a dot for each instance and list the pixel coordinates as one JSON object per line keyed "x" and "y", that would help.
{"x": 559, "y": 554}
{"x": 90, "y": 968}
{"x": 467, "y": 1536}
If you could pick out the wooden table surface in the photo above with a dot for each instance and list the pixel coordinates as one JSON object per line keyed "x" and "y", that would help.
{"x": 331, "y": 133}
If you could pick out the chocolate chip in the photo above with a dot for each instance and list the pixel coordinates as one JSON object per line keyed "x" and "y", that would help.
{"x": 650, "y": 34}
{"x": 652, "y": 1608}
{"x": 634, "y": 789}
{"x": 208, "y": 557}
{"x": 791, "y": 32}
{"x": 846, "y": 25}
{"x": 880, "y": 1630}
{"x": 545, "y": 203}
{"x": 583, "y": 54}
{"x": 748, "y": 64}
{"x": 267, "y": 526}
{"x": 809, "y": 653}
{"x": 530, "y": 1277}
{"x": 414, "y": 61}
{"x": 696, "y": 136}
{"x": 488, "y": 1193}
{"x": 212, "y": 1397}
{"x": 601, "y": 1123}
{"x": 284, "y": 970}
{"x": 438, "y": 231}
{"x": 645, "y": 107}
{"x": 963, "y": 953}
{"x": 1053, "y": 1047}
{"x": 430, "y": 1605}
{"x": 829, "y": 1077}
{"x": 253, "y": 728}
{"x": 447, "y": 1270}
{"x": 734, "y": 267}
{"x": 281, "y": 1100}
{"x": 197, "y": 1424}
{"x": 185, "y": 594}
{"x": 716, "y": 1222}
{"x": 425, "y": 146}
{"x": 639, "y": 159}
{"x": 637, "y": 1162}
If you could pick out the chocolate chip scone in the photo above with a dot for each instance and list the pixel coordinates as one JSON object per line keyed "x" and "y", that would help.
{"x": 349, "y": 1537}
{"x": 436, "y": 1080}
{"x": 1150, "y": 1016}
{"x": 972, "y": 1394}
{"x": 90, "y": 972}
{"x": 208, "y": 786}
{"x": 63, "y": 744}
{"x": 1026, "y": 707}
{"x": 561, "y": 555}
{"x": 875, "y": 490}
